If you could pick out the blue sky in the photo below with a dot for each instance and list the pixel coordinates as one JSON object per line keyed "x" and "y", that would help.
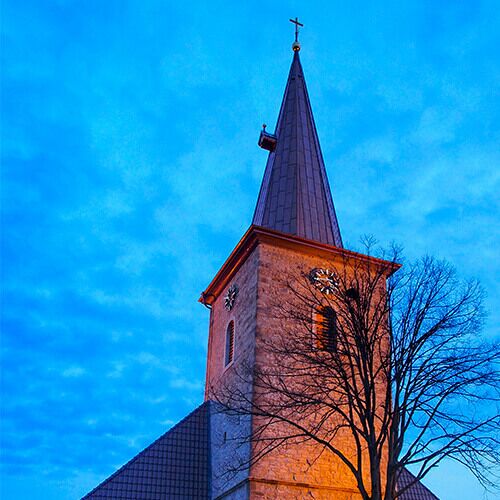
{"x": 130, "y": 170}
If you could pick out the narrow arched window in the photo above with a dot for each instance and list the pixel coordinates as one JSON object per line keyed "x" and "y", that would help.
{"x": 229, "y": 343}
{"x": 326, "y": 329}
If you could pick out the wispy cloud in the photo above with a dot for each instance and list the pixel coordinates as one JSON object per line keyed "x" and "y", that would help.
{"x": 130, "y": 171}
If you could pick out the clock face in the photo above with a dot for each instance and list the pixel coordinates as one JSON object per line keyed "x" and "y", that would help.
{"x": 324, "y": 280}
{"x": 230, "y": 297}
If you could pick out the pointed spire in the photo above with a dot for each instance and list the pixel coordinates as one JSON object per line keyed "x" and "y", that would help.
{"x": 295, "y": 196}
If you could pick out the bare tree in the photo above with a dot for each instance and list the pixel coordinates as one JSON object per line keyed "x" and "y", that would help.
{"x": 393, "y": 358}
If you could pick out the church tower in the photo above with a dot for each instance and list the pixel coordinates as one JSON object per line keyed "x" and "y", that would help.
{"x": 218, "y": 454}
{"x": 294, "y": 228}
{"x": 294, "y": 211}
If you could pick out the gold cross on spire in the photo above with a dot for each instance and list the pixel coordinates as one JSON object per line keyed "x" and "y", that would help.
{"x": 296, "y": 44}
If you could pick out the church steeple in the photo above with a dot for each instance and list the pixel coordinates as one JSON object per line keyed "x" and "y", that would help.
{"x": 295, "y": 196}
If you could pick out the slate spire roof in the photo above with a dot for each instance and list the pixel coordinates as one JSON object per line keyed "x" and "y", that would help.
{"x": 295, "y": 196}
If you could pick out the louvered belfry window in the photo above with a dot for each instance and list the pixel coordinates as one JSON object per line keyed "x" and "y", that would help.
{"x": 326, "y": 329}
{"x": 229, "y": 343}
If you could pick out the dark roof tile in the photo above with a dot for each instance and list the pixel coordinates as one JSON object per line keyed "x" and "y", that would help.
{"x": 175, "y": 466}
{"x": 416, "y": 491}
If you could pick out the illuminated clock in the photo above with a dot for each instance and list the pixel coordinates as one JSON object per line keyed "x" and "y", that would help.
{"x": 324, "y": 280}
{"x": 230, "y": 297}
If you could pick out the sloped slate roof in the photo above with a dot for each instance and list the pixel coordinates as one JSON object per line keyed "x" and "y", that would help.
{"x": 175, "y": 466}
{"x": 417, "y": 491}
{"x": 295, "y": 196}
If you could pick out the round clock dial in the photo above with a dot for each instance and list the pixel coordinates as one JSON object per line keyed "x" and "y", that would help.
{"x": 324, "y": 280}
{"x": 230, "y": 297}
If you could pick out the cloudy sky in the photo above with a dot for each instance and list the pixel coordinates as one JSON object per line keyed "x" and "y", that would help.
{"x": 130, "y": 171}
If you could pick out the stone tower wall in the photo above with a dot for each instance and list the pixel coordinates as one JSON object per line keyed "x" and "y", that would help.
{"x": 230, "y": 449}
{"x": 295, "y": 470}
